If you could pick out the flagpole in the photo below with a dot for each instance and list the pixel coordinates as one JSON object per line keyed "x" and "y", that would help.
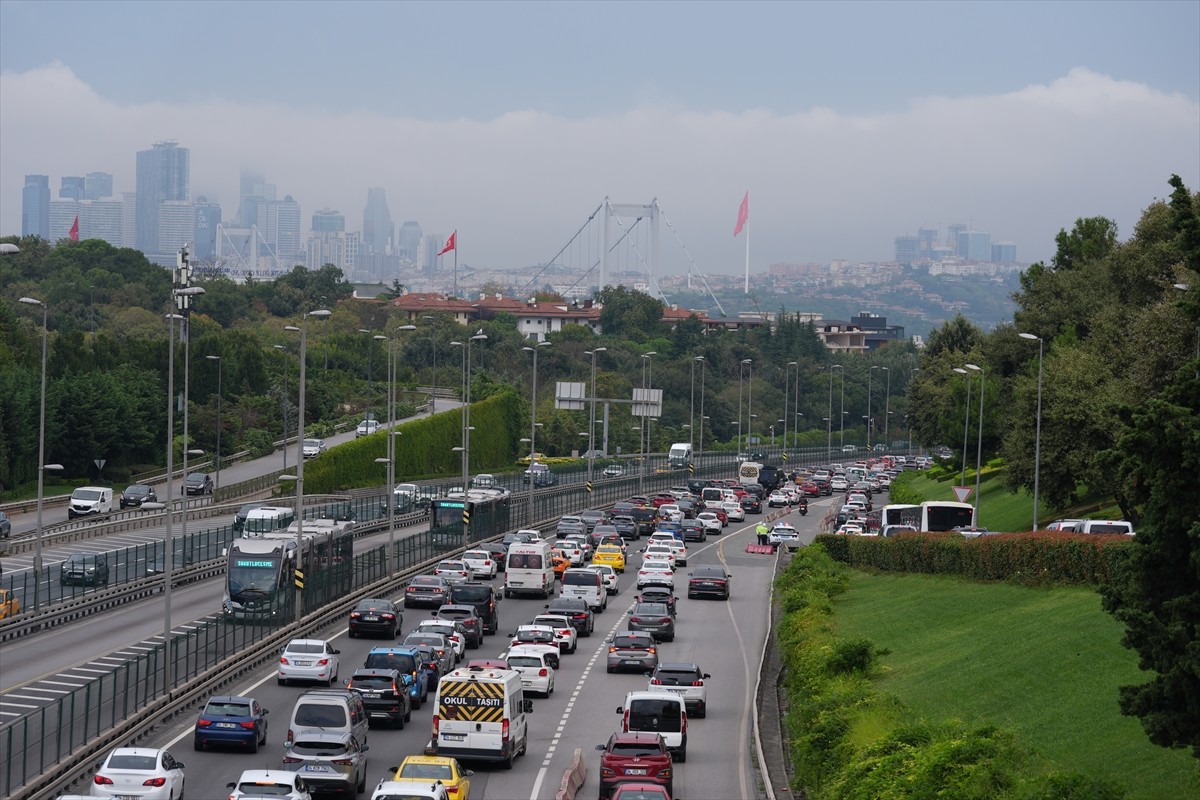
{"x": 456, "y": 268}
{"x": 747, "y": 286}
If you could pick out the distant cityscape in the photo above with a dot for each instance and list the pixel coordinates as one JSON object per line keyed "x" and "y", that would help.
{"x": 266, "y": 238}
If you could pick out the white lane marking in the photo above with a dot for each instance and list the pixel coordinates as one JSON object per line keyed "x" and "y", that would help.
{"x": 85, "y": 669}
{"x": 17, "y": 705}
{"x": 29, "y": 697}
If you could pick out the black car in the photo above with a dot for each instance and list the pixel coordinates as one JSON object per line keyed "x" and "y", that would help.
{"x": 497, "y": 551}
{"x": 751, "y": 504}
{"x": 712, "y": 581}
{"x": 693, "y": 531}
{"x": 384, "y": 694}
{"x": 468, "y": 616}
{"x": 653, "y": 618}
{"x": 576, "y": 610}
{"x": 84, "y": 569}
{"x": 138, "y": 493}
{"x": 592, "y": 517}
{"x": 198, "y": 483}
{"x": 626, "y": 527}
{"x": 658, "y": 594}
{"x": 430, "y": 591}
{"x": 376, "y": 616}
{"x": 483, "y": 597}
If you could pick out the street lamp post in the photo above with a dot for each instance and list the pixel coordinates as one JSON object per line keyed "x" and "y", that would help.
{"x": 286, "y": 400}
{"x": 645, "y": 416}
{"x": 962, "y": 480}
{"x": 591, "y": 431}
{"x": 320, "y": 313}
{"x": 829, "y": 419}
{"x": 787, "y": 387}
{"x": 703, "y": 364}
{"x": 42, "y": 465}
{"x": 907, "y": 420}
{"x": 979, "y": 443}
{"x": 466, "y": 395}
{"x": 533, "y": 417}
{"x": 870, "y": 378}
{"x": 887, "y": 405}
{"x": 1037, "y": 447}
{"x": 220, "y": 376}
{"x": 842, "y": 416}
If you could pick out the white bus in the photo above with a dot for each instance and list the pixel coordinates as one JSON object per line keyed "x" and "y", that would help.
{"x": 946, "y": 515}
{"x": 266, "y": 519}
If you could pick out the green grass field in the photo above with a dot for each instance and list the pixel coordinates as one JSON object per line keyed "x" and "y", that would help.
{"x": 1043, "y": 662}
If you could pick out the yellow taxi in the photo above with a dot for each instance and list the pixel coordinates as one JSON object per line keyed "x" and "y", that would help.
{"x": 437, "y": 768}
{"x": 610, "y": 554}
{"x": 560, "y": 563}
{"x": 10, "y": 605}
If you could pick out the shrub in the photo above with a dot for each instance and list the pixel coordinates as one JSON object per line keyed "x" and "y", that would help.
{"x": 259, "y": 442}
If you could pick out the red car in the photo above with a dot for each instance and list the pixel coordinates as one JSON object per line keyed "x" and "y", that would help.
{"x": 720, "y": 512}
{"x": 662, "y": 499}
{"x": 634, "y": 757}
{"x": 810, "y": 489}
{"x": 640, "y": 791}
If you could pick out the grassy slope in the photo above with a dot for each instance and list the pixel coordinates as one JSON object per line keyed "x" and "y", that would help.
{"x": 1045, "y": 662}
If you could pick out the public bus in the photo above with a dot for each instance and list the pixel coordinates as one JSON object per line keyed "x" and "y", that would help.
{"x": 946, "y": 515}
{"x": 487, "y": 512}
{"x": 901, "y": 514}
{"x": 260, "y": 572}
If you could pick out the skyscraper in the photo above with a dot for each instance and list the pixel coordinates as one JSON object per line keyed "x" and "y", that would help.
{"x": 906, "y": 250}
{"x": 974, "y": 246}
{"x": 162, "y": 176}
{"x": 35, "y": 206}
{"x": 254, "y": 190}
{"x": 378, "y": 228}
{"x": 208, "y": 217}
{"x": 1004, "y": 252}
{"x": 71, "y": 189}
{"x": 952, "y": 232}
{"x": 431, "y": 244}
{"x": 97, "y": 186}
{"x": 408, "y": 242}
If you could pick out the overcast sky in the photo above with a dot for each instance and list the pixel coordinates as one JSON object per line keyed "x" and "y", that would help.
{"x": 849, "y": 123}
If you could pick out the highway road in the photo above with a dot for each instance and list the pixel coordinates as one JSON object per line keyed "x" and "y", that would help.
{"x": 725, "y": 639}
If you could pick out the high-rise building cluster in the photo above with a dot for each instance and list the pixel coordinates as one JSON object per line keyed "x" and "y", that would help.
{"x": 266, "y": 237}
{"x": 961, "y": 244}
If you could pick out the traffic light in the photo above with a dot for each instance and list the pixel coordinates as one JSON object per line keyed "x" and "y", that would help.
{"x": 298, "y": 577}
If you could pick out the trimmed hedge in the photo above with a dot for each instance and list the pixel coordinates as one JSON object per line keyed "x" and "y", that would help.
{"x": 850, "y": 742}
{"x": 424, "y": 448}
{"x": 1044, "y": 557}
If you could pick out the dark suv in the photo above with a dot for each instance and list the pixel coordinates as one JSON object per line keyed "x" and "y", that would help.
{"x": 468, "y": 616}
{"x": 577, "y": 610}
{"x": 384, "y": 694}
{"x": 84, "y": 568}
{"x": 635, "y": 756}
{"x": 136, "y": 494}
{"x": 483, "y": 597}
{"x": 198, "y": 483}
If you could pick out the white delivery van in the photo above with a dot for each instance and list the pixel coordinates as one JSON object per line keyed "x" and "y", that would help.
{"x": 680, "y": 455}
{"x": 587, "y": 585}
{"x": 658, "y": 712}
{"x": 480, "y": 714}
{"x": 87, "y": 500}
{"x": 1119, "y": 526}
{"x": 266, "y": 519}
{"x": 528, "y": 569}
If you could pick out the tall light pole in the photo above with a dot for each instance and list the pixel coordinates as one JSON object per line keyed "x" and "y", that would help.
{"x": 962, "y": 480}
{"x": 887, "y": 405}
{"x": 870, "y": 379}
{"x": 692, "y": 409}
{"x": 286, "y": 400}
{"x": 42, "y": 465}
{"x": 703, "y": 364}
{"x": 533, "y": 417}
{"x": 320, "y": 313}
{"x": 642, "y": 437}
{"x": 842, "y": 416}
{"x": 220, "y": 375}
{"x": 433, "y": 347}
{"x": 907, "y": 419}
{"x": 749, "y": 402}
{"x": 745, "y": 362}
{"x": 829, "y": 419}
{"x": 979, "y": 444}
{"x": 1037, "y": 447}
{"x": 466, "y": 428}
{"x": 591, "y": 431}
{"x": 787, "y": 387}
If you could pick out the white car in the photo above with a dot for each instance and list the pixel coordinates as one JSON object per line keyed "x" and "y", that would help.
{"x": 777, "y": 499}
{"x": 661, "y": 537}
{"x": 308, "y": 660}
{"x": 564, "y": 631}
{"x": 660, "y": 552}
{"x": 671, "y": 512}
{"x": 313, "y": 447}
{"x": 480, "y": 563}
{"x": 680, "y": 551}
{"x": 410, "y": 789}
{"x": 538, "y": 636}
{"x": 710, "y": 521}
{"x": 537, "y": 674}
{"x": 571, "y": 550}
{"x": 140, "y": 773}
{"x": 734, "y": 511}
{"x": 453, "y": 571}
{"x": 850, "y": 529}
{"x": 656, "y": 573}
{"x": 581, "y": 541}
{"x": 273, "y": 783}
{"x": 785, "y": 535}
{"x": 448, "y": 629}
{"x": 367, "y": 427}
{"x": 838, "y": 483}
{"x": 612, "y": 580}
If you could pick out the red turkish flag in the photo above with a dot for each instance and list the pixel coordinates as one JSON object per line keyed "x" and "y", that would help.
{"x": 74, "y": 234}
{"x": 450, "y": 245}
{"x": 743, "y": 214}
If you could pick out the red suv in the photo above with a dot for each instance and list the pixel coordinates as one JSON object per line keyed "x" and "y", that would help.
{"x": 634, "y": 756}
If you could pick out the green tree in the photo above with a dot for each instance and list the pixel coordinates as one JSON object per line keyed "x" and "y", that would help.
{"x": 630, "y": 314}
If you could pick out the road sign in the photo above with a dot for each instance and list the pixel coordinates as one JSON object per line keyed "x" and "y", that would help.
{"x": 962, "y": 493}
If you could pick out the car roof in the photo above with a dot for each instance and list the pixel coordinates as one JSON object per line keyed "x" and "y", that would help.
{"x": 230, "y": 698}
{"x": 374, "y": 672}
{"x": 306, "y": 641}
{"x": 678, "y": 666}
{"x": 136, "y": 751}
{"x": 634, "y": 737}
{"x": 323, "y": 734}
{"x": 276, "y": 775}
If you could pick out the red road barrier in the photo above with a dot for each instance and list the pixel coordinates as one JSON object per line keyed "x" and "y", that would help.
{"x": 572, "y": 777}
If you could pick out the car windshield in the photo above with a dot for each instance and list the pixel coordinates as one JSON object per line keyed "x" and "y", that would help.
{"x": 374, "y": 682}
{"x": 398, "y": 661}
{"x": 524, "y": 661}
{"x": 440, "y": 772}
{"x": 227, "y": 709}
{"x": 128, "y": 761}
{"x": 676, "y": 677}
{"x": 264, "y": 789}
{"x": 429, "y": 581}
{"x": 305, "y": 647}
{"x": 632, "y": 749}
{"x": 319, "y": 715}
{"x": 86, "y": 494}
{"x": 638, "y": 642}
{"x": 315, "y": 747}
{"x": 650, "y": 609}
{"x": 654, "y": 714}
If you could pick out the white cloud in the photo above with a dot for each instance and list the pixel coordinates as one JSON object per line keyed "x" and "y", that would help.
{"x": 823, "y": 185}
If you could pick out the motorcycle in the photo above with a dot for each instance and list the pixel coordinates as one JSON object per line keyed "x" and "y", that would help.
{"x": 803, "y": 508}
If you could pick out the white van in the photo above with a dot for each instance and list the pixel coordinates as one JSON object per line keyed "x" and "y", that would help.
{"x": 480, "y": 714}
{"x": 587, "y": 585}
{"x": 266, "y": 519}
{"x": 680, "y": 455}
{"x": 528, "y": 569}
{"x": 1120, "y": 526}
{"x": 658, "y": 712}
{"x": 88, "y": 500}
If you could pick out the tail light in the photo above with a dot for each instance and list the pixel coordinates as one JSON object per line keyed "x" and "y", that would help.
{"x": 395, "y": 689}
{"x": 291, "y": 760}
{"x": 683, "y": 725}
{"x": 154, "y": 782}
{"x": 435, "y": 726}
{"x": 612, "y": 649}
{"x": 504, "y": 730}
{"x": 290, "y": 736}
{"x": 355, "y": 615}
{"x": 608, "y": 772}
{"x": 652, "y": 650}
{"x": 248, "y": 725}
{"x": 697, "y": 683}
{"x": 283, "y": 660}
{"x": 655, "y": 682}
{"x": 203, "y": 723}
{"x": 625, "y": 721}
{"x": 665, "y": 620}
{"x": 323, "y": 662}
{"x": 543, "y": 672}
{"x": 344, "y": 762}
{"x": 100, "y": 780}
{"x": 388, "y": 616}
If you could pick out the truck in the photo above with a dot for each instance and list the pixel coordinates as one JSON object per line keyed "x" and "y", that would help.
{"x": 770, "y": 477}
{"x": 680, "y": 455}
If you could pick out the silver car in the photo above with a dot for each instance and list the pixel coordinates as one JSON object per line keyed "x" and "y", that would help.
{"x": 632, "y": 651}
{"x": 328, "y": 761}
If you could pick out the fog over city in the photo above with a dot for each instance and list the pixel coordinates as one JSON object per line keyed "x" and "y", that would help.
{"x": 518, "y": 173}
